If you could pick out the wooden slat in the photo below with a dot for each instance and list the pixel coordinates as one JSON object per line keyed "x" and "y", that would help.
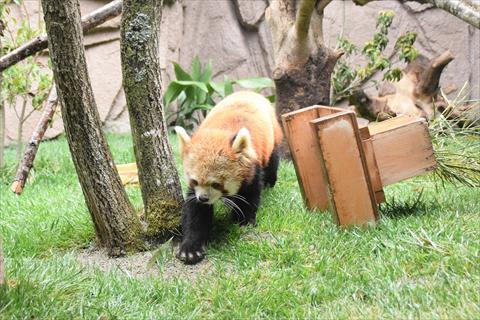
{"x": 391, "y": 124}
{"x": 375, "y": 179}
{"x": 345, "y": 169}
{"x": 403, "y": 149}
{"x": 305, "y": 156}
{"x": 128, "y": 173}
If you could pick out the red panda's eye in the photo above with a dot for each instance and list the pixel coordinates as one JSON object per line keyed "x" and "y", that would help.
{"x": 194, "y": 182}
{"x": 216, "y": 185}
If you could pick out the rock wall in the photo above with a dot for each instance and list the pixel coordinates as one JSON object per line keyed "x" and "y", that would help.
{"x": 233, "y": 35}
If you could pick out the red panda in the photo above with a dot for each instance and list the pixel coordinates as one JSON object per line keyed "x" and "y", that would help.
{"x": 230, "y": 157}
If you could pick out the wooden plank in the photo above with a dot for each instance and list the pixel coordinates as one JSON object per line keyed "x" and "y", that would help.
{"x": 305, "y": 157}
{"x": 345, "y": 169}
{"x": 403, "y": 150}
{"x": 373, "y": 170}
{"x": 391, "y": 124}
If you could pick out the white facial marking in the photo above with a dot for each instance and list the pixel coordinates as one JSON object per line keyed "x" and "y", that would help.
{"x": 232, "y": 187}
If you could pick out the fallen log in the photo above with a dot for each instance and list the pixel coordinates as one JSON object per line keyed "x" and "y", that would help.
{"x": 32, "y": 147}
{"x": 90, "y": 21}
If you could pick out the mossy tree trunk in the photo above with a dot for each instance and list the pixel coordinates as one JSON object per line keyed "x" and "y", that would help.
{"x": 116, "y": 225}
{"x": 159, "y": 181}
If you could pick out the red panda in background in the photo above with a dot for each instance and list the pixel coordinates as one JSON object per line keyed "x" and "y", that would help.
{"x": 231, "y": 156}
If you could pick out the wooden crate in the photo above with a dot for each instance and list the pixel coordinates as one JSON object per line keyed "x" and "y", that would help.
{"x": 344, "y": 168}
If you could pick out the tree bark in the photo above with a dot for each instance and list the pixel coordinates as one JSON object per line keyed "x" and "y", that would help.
{"x": 90, "y": 21}
{"x": 467, "y": 10}
{"x": 116, "y": 225}
{"x": 303, "y": 64}
{"x": 32, "y": 147}
{"x": 159, "y": 181}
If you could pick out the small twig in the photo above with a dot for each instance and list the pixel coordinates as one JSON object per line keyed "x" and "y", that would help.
{"x": 32, "y": 147}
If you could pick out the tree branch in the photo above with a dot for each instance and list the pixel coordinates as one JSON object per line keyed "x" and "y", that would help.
{"x": 32, "y": 147}
{"x": 302, "y": 21}
{"x": 90, "y": 21}
{"x": 466, "y": 10}
{"x": 463, "y": 9}
{"x": 430, "y": 78}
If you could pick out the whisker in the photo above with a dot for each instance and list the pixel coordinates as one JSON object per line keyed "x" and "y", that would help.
{"x": 239, "y": 197}
{"x": 189, "y": 199}
{"x": 234, "y": 206}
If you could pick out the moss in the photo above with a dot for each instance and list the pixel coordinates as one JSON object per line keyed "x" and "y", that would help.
{"x": 162, "y": 215}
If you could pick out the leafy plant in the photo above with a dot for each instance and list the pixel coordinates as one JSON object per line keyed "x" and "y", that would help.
{"x": 26, "y": 80}
{"x": 456, "y": 141}
{"x": 196, "y": 93}
{"x": 347, "y": 76}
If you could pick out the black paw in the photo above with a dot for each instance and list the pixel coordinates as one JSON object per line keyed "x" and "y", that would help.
{"x": 191, "y": 253}
{"x": 242, "y": 220}
{"x": 270, "y": 183}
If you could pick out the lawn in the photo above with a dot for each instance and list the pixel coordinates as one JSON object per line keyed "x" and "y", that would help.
{"x": 422, "y": 261}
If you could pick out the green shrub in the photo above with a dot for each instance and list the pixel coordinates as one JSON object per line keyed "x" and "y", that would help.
{"x": 196, "y": 93}
{"x": 348, "y": 76}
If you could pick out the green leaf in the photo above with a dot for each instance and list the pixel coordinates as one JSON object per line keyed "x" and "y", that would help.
{"x": 255, "y": 83}
{"x": 196, "y": 68}
{"x": 197, "y": 84}
{"x": 172, "y": 92}
{"x": 228, "y": 87}
{"x": 217, "y": 87}
{"x": 181, "y": 74}
{"x": 207, "y": 73}
{"x": 272, "y": 98}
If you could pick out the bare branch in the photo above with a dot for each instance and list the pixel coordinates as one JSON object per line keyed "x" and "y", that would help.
{"x": 430, "y": 78}
{"x": 32, "y": 147}
{"x": 90, "y": 21}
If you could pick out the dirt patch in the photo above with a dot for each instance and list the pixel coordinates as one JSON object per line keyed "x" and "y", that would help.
{"x": 141, "y": 265}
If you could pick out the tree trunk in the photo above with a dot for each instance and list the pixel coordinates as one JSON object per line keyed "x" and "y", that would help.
{"x": 116, "y": 225}
{"x": 159, "y": 181}
{"x": 303, "y": 64}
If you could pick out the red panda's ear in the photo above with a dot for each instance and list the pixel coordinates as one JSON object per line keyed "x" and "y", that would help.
{"x": 242, "y": 144}
{"x": 183, "y": 138}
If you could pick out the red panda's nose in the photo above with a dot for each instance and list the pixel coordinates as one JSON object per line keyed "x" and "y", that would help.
{"x": 203, "y": 198}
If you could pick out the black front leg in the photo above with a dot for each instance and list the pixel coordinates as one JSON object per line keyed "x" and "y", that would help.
{"x": 196, "y": 224}
{"x": 246, "y": 202}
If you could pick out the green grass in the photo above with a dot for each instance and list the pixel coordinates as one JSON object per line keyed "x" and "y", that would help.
{"x": 422, "y": 261}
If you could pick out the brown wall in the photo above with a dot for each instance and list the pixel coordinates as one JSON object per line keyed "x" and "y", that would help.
{"x": 237, "y": 42}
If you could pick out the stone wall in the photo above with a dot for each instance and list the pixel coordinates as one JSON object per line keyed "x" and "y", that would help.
{"x": 233, "y": 35}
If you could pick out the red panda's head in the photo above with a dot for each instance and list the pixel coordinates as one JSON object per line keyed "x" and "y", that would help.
{"x": 215, "y": 162}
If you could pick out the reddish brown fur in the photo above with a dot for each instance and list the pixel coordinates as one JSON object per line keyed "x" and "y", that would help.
{"x": 241, "y": 109}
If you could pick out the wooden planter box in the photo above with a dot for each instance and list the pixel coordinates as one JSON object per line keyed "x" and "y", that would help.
{"x": 344, "y": 168}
